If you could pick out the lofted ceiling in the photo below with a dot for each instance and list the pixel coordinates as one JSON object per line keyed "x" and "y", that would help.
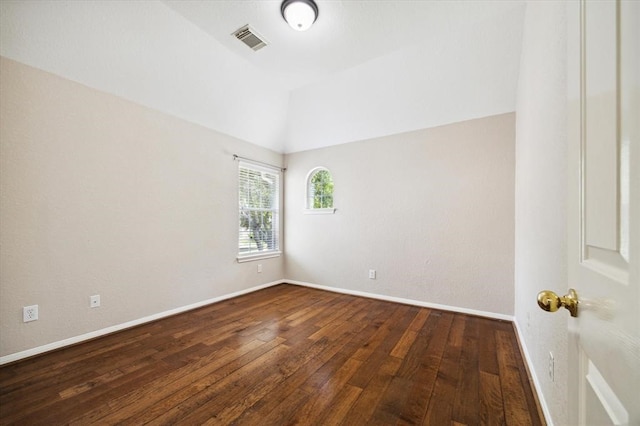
{"x": 347, "y": 32}
{"x": 366, "y": 68}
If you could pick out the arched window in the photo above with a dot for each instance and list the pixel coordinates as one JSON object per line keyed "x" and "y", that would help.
{"x": 320, "y": 191}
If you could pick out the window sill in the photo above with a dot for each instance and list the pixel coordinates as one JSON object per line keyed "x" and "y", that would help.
{"x": 320, "y": 211}
{"x": 258, "y": 256}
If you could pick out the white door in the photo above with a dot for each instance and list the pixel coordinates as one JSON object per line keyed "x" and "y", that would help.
{"x": 604, "y": 210}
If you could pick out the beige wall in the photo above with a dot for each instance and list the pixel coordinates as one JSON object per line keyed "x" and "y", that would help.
{"x": 541, "y": 191}
{"x": 432, "y": 211}
{"x": 103, "y": 196}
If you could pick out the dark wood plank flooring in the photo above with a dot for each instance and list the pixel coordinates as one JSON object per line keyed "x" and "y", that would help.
{"x": 282, "y": 355}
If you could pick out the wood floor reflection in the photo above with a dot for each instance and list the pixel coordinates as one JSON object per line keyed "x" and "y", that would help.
{"x": 282, "y": 355}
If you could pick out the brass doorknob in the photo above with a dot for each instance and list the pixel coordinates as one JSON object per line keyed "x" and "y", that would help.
{"x": 551, "y": 302}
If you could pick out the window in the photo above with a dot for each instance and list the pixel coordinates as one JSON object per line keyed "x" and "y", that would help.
{"x": 259, "y": 218}
{"x": 320, "y": 191}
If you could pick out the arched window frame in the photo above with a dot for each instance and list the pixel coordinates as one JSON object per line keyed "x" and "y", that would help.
{"x": 309, "y": 209}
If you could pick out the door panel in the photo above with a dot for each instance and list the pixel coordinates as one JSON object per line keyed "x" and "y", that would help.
{"x": 601, "y": 124}
{"x": 606, "y": 408}
{"x": 604, "y": 211}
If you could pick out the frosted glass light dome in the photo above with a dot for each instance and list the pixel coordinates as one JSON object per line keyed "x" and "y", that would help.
{"x": 299, "y": 14}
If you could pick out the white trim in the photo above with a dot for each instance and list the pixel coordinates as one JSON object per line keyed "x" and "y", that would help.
{"x": 258, "y": 256}
{"x": 98, "y": 333}
{"x": 405, "y": 301}
{"x": 534, "y": 376}
{"x": 270, "y": 168}
{"x": 319, "y": 211}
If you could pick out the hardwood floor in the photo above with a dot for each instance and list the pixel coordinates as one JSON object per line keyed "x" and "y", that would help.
{"x": 283, "y": 355}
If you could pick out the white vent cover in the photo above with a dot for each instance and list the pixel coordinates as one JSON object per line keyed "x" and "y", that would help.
{"x": 248, "y": 36}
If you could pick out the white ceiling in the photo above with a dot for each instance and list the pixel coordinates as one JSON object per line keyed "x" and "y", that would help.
{"x": 347, "y": 32}
{"x": 365, "y": 69}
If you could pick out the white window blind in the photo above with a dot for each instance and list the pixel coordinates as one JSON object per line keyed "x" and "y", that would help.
{"x": 259, "y": 213}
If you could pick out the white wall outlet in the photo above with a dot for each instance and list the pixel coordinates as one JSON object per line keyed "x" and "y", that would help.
{"x": 259, "y": 267}
{"x": 372, "y": 274}
{"x": 30, "y": 313}
{"x": 94, "y": 301}
{"x": 551, "y": 367}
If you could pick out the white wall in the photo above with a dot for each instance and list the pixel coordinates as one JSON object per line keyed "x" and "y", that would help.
{"x": 541, "y": 191}
{"x": 432, "y": 211}
{"x": 145, "y": 52}
{"x": 433, "y": 81}
{"x": 103, "y": 196}
{"x": 458, "y": 64}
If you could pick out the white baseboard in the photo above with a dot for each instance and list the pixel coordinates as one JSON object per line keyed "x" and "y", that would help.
{"x": 532, "y": 373}
{"x": 405, "y": 301}
{"x": 98, "y": 333}
{"x": 527, "y": 358}
{"x": 102, "y": 332}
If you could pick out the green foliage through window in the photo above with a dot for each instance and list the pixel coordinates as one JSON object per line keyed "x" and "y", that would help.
{"x": 320, "y": 190}
{"x": 259, "y": 200}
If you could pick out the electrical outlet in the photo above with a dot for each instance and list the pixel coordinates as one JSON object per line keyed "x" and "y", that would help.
{"x": 259, "y": 268}
{"x": 372, "y": 274}
{"x": 30, "y": 313}
{"x": 94, "y": 301}
{"x": 551, "y": 367}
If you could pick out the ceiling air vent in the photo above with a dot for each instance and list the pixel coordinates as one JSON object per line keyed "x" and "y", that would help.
{"x": 248, "y": 36}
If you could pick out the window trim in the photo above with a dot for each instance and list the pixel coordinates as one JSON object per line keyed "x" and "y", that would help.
{"x": 258, "y": 256}
{"x": 320, "y": 211}
{"x": 266, "y": 254}
{"x": 311, "y": 210}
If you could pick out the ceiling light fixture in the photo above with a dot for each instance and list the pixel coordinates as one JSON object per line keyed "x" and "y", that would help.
{"x": 299, "y": 14}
